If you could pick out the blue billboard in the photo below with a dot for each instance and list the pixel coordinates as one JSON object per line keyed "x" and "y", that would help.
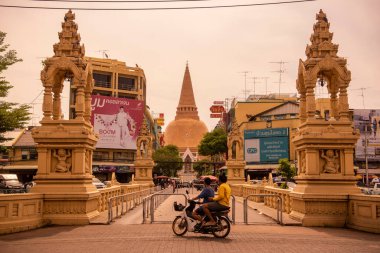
{"x": 266, "y": 145}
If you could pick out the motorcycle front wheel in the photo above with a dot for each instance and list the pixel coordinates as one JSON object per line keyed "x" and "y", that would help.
{"x": 223, "y": 228}
{"x": 179, "y": 226}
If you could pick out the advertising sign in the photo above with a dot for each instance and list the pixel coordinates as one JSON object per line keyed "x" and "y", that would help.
{"x": 215, "y": 115}
{"x": 367, "y": 122}
{"x": 266, "y": 145}
{"x": 217, "y": 109}
{"x": 116, "y": 121}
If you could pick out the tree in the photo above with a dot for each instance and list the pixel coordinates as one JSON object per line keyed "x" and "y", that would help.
{"x": 214, "y": 144}
{"x": 167, "y": 160}
{"x": 12, "y": 115}
{"x": 202, "y": 167}
{"x": 286, "y": 170}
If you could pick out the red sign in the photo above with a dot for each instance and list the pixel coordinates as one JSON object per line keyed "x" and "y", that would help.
{"x": 215, "y": 115}
{"x": 161, "y": 115}
{"x": 217, "y": 109}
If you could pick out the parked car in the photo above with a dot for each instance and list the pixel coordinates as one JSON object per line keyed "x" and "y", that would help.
{"x": 97, "y": 183}
{"x": 9, "y": 184}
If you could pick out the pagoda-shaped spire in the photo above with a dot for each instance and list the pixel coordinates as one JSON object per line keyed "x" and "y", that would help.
{"x": 321, "y": 39}
{"x": 187, "y": 108}
{"x": 69, "y": 39}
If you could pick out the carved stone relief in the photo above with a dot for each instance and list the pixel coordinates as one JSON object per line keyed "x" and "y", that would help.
{"x": 63, "y": 160}
{"x": 331, "y": 158}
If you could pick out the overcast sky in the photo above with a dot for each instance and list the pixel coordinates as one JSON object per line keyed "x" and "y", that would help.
{"x": 217, "y": 43}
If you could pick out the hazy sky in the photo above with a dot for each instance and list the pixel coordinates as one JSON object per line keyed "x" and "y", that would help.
{"x": 217, "y": 43}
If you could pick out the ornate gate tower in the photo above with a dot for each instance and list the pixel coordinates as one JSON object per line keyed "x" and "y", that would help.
{"x": 144, "y": 163}
{"x": 324, "y": 148}
{"x": 235, "y": 163}
{"x": 65, "y": 147}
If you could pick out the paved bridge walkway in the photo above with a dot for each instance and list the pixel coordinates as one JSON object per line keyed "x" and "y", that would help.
{"x": 127, "y": 234}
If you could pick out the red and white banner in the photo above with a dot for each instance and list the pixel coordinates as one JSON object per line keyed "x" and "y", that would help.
{"x": 117, "y": 121}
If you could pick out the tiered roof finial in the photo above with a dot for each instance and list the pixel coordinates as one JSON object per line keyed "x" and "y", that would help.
{"x": 144, "y": 130}
{"x": 321, "y": 39}
{"x": 69, "y": 39}
{"x": 187, "y": 108}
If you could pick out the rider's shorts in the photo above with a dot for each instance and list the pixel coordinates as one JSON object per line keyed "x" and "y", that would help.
{"x": 200, "y": 211}
{"x": 216, "y": 207}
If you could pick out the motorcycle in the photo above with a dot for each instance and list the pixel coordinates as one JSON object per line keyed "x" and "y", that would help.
{"x": 186, "y": 223}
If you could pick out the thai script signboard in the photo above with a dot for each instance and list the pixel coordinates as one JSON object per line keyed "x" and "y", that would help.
{"x": 116, "y": 121}
{"x": 266, "y": 145}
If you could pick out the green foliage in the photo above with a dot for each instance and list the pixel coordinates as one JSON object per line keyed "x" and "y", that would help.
{"x": 12, "y": 115}
{"x": 202, "y": 167}
{"x": 213, "y": 143}
{"x": 286, "y": 170}
{"x": 167, "y": 160}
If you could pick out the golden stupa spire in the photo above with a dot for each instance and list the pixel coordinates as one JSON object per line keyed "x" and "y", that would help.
{"x": 187, "y": 108}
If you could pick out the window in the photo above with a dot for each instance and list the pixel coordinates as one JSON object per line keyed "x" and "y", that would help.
{"x": 100, "y": 156}
{"x": 125, "y": 83}
{"x": 293, "y": 115}
{"x": 265, "y": 118}
{"x": 280, "y": 116}
{"x": 33, "y": 154}
{"x": 24, "y": 154}
{"x": 102, "y": 80}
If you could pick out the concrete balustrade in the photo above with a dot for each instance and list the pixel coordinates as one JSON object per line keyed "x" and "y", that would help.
{"x": 364, "y": 212}
{"x": 20, "y": 212}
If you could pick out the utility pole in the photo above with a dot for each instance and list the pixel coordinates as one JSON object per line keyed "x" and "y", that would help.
{"x": 280, "y": 71}
{"x": 245, "y": 83}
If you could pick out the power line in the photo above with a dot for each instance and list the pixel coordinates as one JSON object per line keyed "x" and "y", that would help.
{"x": 121, "y": 1}
{"x": 153, "y": 8}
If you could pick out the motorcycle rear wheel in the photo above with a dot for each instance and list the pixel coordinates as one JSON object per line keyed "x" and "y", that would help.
{"x": 179, "y": 226}
{"x": 223, "y": 228}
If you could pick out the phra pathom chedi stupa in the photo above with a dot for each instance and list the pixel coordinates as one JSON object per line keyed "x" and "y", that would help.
{"x": 186, "y": 130}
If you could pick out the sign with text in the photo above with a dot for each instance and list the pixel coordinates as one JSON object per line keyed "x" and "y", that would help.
{"x": 217, "y": 109}
{"x": 215, "y": 115}
{"x": 116, "y": 121}
{"x": 266, "y": 145}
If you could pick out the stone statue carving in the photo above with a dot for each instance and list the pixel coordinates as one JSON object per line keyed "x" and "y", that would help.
{"x": 331, "y": 163}
{"x": 236, "y": 172}
{"x": 63, "y": 164}
{"x": 143, "y": 172}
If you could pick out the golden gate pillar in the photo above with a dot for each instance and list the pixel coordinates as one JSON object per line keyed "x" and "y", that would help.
{"x": 235, "y": 163}
{"x": 324, "y": 147}
{"x": 144, "y": 162}
{"x": 65, "y": 147}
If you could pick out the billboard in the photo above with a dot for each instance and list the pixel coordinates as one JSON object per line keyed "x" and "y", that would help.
{"x": 116, "y": 121}
{"x": 367, "y": 118}
{"x": 266, "y": 145}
